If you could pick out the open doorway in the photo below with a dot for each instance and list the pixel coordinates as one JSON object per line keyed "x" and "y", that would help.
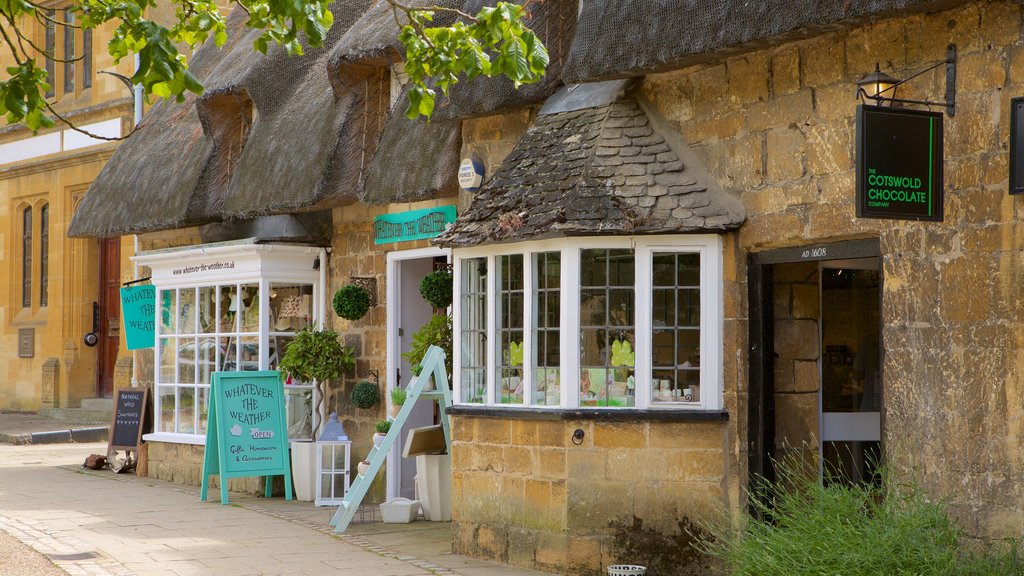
{"x": 816, "y": 385}
{"x": 407, "y": 312}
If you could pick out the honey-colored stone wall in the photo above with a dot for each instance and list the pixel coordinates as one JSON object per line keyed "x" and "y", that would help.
{"x": 776, "y": 127}
{"x": 524, "y": 493}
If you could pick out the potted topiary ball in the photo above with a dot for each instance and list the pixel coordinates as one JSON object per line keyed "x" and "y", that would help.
{"x": 436, "y": 288}
{"x": 365, "y": 395}
{"x": 351, "y": 302}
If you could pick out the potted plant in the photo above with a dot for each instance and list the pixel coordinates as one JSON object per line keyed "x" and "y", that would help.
{"x": 382, "y": 428}
{"x": 398, "y": 396}
{"x": 314, "y": 356}
{"x": 351, "y": 302}
{"x": 436, "y": 332}
{"x": 365, "y": 395}
{"x": 363, "y": 466}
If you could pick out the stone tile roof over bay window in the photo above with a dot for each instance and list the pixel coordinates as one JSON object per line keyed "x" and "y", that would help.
{"x": 614, "y": 168}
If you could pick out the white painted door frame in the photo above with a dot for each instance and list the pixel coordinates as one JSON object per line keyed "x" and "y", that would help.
{"x": 393, "y": 358}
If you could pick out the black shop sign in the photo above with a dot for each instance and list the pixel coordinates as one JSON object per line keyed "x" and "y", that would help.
{"x": 899, "y": 164}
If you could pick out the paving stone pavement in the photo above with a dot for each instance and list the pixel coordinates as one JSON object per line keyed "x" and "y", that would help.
{"x": 96, "y": 523}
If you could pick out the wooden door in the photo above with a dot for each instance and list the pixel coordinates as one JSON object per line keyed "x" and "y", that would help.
{"x": 109, "y": 310}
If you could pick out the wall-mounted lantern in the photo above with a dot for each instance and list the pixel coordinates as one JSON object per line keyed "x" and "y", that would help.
{"x": 880, "y": 88}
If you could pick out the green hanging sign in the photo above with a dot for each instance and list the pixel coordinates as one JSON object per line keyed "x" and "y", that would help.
{"x": 245, "y": 431}
{"x": 138, "y": 312}
{"x": 412, "y": 225}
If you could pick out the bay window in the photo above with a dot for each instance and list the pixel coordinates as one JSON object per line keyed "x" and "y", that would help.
{"x": 235, "y": 308}
{"x": 602, "y": 323}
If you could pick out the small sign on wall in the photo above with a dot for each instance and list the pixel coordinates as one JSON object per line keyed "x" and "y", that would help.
{"x": 26, "y": 342}
{"x": 899, "y": 164}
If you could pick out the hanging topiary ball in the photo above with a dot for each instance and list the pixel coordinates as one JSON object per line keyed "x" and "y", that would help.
{"x": 351, "y": 302}
{"x": 365, "y": 395}
{"x": 436, "y": 288}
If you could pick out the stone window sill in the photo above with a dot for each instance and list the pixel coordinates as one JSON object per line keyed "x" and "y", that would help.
{"x": 608, "y": 415}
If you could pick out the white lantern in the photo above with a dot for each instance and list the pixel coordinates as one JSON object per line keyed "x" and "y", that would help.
{"x": 333, "y": 451}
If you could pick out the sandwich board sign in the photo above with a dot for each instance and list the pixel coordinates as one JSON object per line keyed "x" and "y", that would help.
{"x": 245, "y": 431}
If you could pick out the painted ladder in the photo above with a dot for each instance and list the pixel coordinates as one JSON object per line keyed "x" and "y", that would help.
{"x": 432, "y": 364}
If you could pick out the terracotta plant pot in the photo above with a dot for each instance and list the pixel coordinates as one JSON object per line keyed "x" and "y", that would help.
{"x": 394, "y": 410}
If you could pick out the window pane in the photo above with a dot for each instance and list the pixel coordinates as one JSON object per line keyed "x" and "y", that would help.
{"x": 509, "y": 311}
{"x": 69, "y": 53}
{"x": 166, "y": 407}
{"x": 249, "y": 307}
{"x": 291, "y": 306}
{"x": 675, "y": 338}
{"x": 207, "y": 359}
{"x": 26, "y": 258}
{"x": 168, "y": 360}
{"x": 547, "y": 321}
{"x": 298, "y": 409}
{"x": 187, "y": 360}
{"x": 473, "y": 329}
{"x": 207, "y": 310}
{"x": 44, "y": 255}
{"x": 203, "y": 402}
{"x": 187, "y": 410}
{"x": 87, "y": 58}
{"x": 187, "y": 312}
{"x": 228, "y": 308}
{"x": 249, "y": 353}
{"x": 607, "y": 317}
{"x": 167, "y": 311}
{"x": 51, "y": 47}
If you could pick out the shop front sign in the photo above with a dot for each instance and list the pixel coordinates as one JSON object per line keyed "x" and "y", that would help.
{"x": 138, "y": 309}
{"x": 899, "y": 164}
{"x": 412, "y": 225}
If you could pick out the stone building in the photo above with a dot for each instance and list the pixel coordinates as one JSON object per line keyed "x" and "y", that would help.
{"x": 60, "y": 289}
{"x": 686, "y": 204}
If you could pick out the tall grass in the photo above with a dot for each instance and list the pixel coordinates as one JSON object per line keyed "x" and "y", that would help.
{"x": 805, "y": 528}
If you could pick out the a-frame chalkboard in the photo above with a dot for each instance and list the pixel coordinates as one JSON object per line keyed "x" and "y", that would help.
{"x": 132, "y": 414}
{"x": 245, "y": 431}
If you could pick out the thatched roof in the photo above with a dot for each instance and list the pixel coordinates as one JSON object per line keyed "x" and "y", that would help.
{"x": 415, "y": 160}
{"x": 150, "y": 181}
{"x": 604, "y": 166}
{"x": 255, "y": 143}
{"x": 619, "y": 38}
{"x": 373, "y": 41}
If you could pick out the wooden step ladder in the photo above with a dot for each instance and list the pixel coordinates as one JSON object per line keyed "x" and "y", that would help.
{"x": 432, "y": 365}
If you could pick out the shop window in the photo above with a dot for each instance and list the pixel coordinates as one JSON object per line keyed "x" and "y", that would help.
{"x": 44, "y": 255}
{"x": 206, "y": 329}
{"x": 642, "y": 320}
{"x": 26, "y": 258}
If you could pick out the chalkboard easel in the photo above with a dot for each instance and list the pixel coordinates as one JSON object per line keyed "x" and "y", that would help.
{"x": 127, "y": 425}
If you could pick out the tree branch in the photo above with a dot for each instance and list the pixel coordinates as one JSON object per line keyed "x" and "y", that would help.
{"x": 71, "y": 125}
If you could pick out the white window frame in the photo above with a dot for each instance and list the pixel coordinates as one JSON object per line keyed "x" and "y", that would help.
{"x": 257, "y": 264}
{"x": 709, "y": 248}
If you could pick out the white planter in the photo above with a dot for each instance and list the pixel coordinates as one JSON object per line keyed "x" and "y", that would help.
{"x": 304, "y": 470}
{"x": 378, "y": 438}
{"x": 363, "y": 467}
{"x": 400, "y": 510}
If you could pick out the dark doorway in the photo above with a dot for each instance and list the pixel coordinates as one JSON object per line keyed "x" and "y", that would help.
{"x": 109, "y": 311}
{"x": 815, "y": 349}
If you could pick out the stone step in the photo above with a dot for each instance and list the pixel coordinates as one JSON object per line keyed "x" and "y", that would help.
{"x": 98, "y": 404}
{"x": 77, "y": 414}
